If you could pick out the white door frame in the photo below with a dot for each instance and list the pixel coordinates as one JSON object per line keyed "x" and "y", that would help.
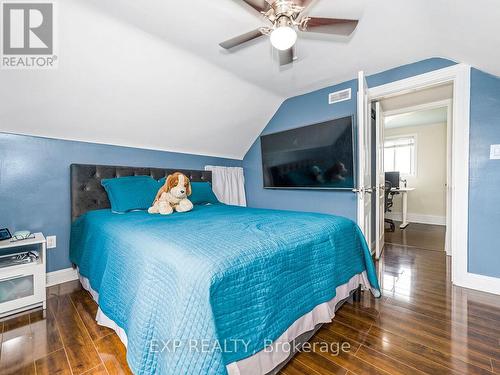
{"x": 448, "y": 104}
{"x": 379, "y": 180}
{"x": 459, "y": 76}
{"x": 362, "y": 191}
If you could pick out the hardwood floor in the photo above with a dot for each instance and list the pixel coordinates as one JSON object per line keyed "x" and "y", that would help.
{"x": 65, "y": 339}
{"x": 423, "y": 236}
{"x": 421, "y": 325}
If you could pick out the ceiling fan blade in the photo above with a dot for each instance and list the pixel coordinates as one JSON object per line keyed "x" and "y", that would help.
{"x": 286, "y": 57}
{"x": 258, "y": 5}
{"x": 328, "y": 25}
{"x": 240, "y": 39}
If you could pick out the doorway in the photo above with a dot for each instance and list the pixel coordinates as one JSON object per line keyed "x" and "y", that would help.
{"x": 459, "y": 76}
{"x": 413, "y": 163}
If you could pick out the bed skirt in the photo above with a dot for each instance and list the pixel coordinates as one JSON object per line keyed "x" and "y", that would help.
{"x": 271, "y": 358}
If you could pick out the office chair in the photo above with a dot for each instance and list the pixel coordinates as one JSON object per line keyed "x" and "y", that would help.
{"x": 388, "y": 205}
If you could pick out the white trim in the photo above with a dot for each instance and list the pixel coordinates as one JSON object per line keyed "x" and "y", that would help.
{"x": 422, "y": 81}
{"x": 61, "y": 276}
{"x": 417, "y": 108}
{"x": 480, "y": 282}
{"x": 417, "y": 218}
{"x": 459, "y": 75}
{"x": 449, "y": 181}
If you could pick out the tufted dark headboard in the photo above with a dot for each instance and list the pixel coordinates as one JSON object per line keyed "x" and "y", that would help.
{"x": 87, "y": 193}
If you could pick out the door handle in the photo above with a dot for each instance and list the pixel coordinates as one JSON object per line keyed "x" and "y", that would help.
{"x": 363, "y": 190}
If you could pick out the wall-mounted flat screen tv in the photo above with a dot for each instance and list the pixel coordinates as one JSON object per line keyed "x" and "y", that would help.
{"x": 319, "y": 156}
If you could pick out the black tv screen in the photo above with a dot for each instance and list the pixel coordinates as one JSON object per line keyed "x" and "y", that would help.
{"x": 317, "y": 156}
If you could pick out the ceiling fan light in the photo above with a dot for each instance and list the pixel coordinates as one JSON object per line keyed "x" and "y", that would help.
{"x": 283, "y": 37}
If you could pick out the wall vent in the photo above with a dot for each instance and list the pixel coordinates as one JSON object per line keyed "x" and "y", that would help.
{"x": 339, "y": 96}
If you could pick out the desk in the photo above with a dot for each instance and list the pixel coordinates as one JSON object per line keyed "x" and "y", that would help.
{"x": 404, "y": 196}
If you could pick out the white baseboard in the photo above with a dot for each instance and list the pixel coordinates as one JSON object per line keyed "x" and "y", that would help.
{"x": 482, "y": 283}
{"x": 417, "y": 218}
{"x": 61, "y": 276}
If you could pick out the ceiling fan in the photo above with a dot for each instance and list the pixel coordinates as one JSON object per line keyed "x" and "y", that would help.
{"x": 286, "y": 17}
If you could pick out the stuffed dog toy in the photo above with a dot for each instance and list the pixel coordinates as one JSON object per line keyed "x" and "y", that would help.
{"x": 173, "y": 196}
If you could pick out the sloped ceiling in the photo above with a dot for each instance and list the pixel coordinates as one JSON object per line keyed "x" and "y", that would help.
{"x": 117, "y": 84}
{"x": 150, "y": 73}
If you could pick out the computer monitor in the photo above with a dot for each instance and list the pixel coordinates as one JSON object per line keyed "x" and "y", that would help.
{"x": 393, "y": 178}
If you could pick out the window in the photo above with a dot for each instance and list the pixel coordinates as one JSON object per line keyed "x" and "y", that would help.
{"x": 400, "y": 155}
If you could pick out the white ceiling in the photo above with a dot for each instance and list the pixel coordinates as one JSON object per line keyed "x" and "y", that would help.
{"x": 151, "y": 74}
{"x": 391, "y": 33}
{"x": 404, "y": 103}
{"x": 417, "y": 118}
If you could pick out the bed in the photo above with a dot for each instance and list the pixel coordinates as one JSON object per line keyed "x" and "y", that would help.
{"x": 217, "y": 290}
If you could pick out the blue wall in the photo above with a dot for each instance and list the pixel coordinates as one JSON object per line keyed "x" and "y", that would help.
{"x": 35, "y": 188}
{"x": 484, "y": 175}
{"x": 484, "y": 205}
{"x": 295, "y": 112}
{"x": 309, "y": 109}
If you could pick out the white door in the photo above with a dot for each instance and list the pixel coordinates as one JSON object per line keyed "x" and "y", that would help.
{"x": 364, "y": 188}
{"x": 380, "y": 178}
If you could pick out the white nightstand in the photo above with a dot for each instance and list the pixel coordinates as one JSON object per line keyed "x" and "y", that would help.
{"x": 22, "y": 286}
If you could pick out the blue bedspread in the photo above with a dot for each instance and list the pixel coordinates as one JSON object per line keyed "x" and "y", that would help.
{"x": 196, "y": 291}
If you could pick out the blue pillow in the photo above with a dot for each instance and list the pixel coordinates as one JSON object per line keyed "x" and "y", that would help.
{"x": 130, "y": 193}
{"x": 201, "y": 193}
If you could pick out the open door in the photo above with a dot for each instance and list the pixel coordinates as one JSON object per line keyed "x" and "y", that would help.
{"x": 380, "y": 178}
{"x": 364, "y": 189}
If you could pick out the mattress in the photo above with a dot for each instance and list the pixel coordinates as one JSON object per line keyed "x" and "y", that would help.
{"x": 229, "y": 279}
